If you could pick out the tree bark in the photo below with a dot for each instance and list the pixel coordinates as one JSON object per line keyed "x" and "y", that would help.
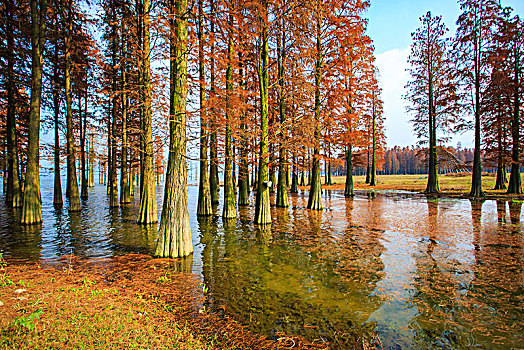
{"x": 204, "y": 207}
{"x": 213, "y": 152}
{"x": 57, "y": 197}
{"x": 243, "y": 171}
{"x": 32, "y": 201}
{"x": 113, "y": 187}
{"x": 515, "y": 184}
{"x": 282, "y": 198}
{"x": 315, "y": 190}
{"x": 476, "y": 179}
{"x": 148, "y": 207}
{"x": 13, "y": 196}
{"x": 229, "y": 210}
{"x": 348, "y": 190}
{"x": 83, "y": 129}
{"x": 294, "y": 177}
{"x": 125, "y": 193}
{"x": 262, "y": 205}
{"x": 175, "y": 233}
{"x": 72, "y": 183}
{"x": 373, "y": 176}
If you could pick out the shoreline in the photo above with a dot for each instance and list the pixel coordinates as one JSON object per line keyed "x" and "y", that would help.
{"x": 129, "y": 301}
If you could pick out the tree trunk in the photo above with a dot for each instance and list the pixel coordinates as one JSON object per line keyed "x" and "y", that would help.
{"x": 174, "y": 232}
{"x": 315, "y": 190}
{"x": 294, "y": 177}
{"x": 32, "y": 201}
{"x": 348, "y": 191}
{"x": 125, "y": 193}
{"x": 57, "y": 197}
{"x": 432, "y": 185}
{"x": 13, "y": 196}
{"x": 515, "y": 185}
{"x": 368, "y": 169}
{"x": 141, "y": 96}
{"x": 107, "y": 169}
{"x": 373, "y": 176}
{"x": 243, "y": 169}
{"x": 72, "y": 183}
{"x": 113, "y": 182}
{"x": 83, "y": 129}
{"x": 148, "y": 213}
{"x": 229, "y": 210}
{"x": 476, "y": 179}
{"x": 282, "y": 198}
{"x": 262, "y": 205}
{"x": 204, "y": 207}
{"x": 91, "y": 161}
{"x": 214, "y": 184}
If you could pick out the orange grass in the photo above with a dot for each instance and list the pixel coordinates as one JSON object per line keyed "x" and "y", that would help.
{"x": 453, "y": 184}
{"x": 128, "y": 302}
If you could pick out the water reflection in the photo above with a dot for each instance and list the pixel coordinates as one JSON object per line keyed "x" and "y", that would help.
{"x": 425, "y": 272}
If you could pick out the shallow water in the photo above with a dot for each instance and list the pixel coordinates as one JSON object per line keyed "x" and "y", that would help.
{"x": 423, "y": 273}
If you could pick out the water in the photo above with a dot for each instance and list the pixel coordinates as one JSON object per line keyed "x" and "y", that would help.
{"x": 423, "y": 273}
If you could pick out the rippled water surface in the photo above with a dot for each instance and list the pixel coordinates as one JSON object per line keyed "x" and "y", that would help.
{"x": 423, "y": 273}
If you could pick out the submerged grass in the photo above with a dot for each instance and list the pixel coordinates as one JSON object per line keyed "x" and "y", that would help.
{"x": 130, "y": 302}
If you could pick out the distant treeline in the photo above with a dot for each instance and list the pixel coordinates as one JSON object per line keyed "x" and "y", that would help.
{"x": 413, "y": 160}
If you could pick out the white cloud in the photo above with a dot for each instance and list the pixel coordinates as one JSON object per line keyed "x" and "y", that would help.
{"x": 392, "y": 65}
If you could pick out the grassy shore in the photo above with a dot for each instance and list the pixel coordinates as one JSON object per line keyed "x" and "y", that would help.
{"x": 129, "y": 302}
{"x": 452, "y": 184}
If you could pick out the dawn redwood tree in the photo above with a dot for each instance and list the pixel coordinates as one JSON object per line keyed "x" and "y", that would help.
{"x": 56, "y": 82}
{"x": 32, "y": 202}
{"x": 229, "y": 210}
{"x": 204, "y": 207}
{"x": 315, "y": 191}
{"x": 376, "y": 117}
{"x": 148, "y": 207}
{"x": 496, "y": 122}
{"x": 13, "y": 196}
{"x": 430, "y": 91}
{"x": 472, "y": 41}
{"x": 262, "y": 205}
{"x": 513, "y": 40}
{"x": 174, "y": 232}
{"x": 214, "y": 184}
{"x": 125, "y": 191}
{"x": 72, "y": 182}
{"x": 282, "y": 198}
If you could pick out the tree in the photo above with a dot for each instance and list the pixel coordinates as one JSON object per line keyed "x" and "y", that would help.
{"x": 431, "y": 90}
{"x": 13, "y": 196}
{"x": 148, "y": 207}
{"x": 229, "y": 210}
{"x": 282, "y": 199}
{"x": 72, "y": 192}
{"x": 174, "y": 232}
{"x": 204, "y": 207}
{"x": 31, "y": 203}
{"x": 472, "y": 40}
{"x": 513, "y": 33}
{"x": 262, "y": 205}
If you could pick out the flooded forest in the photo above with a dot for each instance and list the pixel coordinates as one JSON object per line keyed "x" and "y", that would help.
{"x": 215, "y": 174}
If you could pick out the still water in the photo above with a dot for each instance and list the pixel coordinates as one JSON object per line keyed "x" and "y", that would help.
{"x": 422, "y": 273}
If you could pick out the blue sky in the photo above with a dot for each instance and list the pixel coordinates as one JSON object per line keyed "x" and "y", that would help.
{"x": 391, "y": 23}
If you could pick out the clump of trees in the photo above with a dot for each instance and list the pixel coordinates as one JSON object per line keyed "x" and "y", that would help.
{"x": 478, "y": 74}
{"x": 269, "y": 90}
